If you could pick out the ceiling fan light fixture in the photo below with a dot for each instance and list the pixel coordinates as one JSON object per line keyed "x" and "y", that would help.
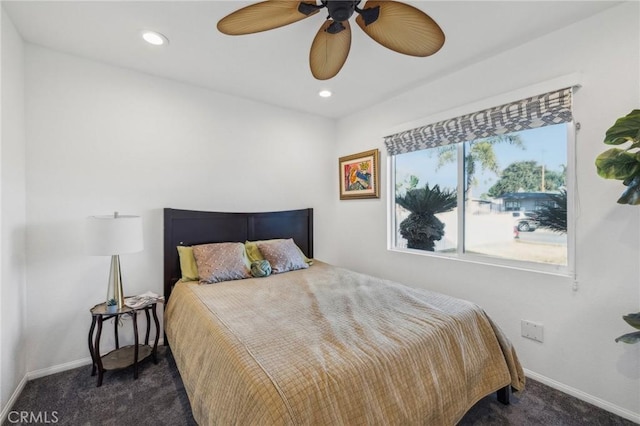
{"x": 340, "y": 10}
{"x": 154, "y": 38}
{"x": 325, "y": 93}
{"x": 393, "y": 24}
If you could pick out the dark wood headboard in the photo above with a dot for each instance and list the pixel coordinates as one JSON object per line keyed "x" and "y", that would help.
{"x": 188, "y": 227}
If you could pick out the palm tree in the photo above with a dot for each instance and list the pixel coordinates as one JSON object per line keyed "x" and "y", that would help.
{"x": 478, "y": 153}
{"x": 554, "y": 216}
{"x": 422, "y": 228}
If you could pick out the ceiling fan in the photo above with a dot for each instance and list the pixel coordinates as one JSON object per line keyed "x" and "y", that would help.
{"x": 395, "y": 25}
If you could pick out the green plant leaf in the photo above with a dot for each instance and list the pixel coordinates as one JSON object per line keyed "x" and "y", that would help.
{"x": 629, "y": 337}
{"x": 618, "y": 164}
{"x": 625, "y": 129}
{"x": 631, "y": 195}
{"x": 633, "y": 320}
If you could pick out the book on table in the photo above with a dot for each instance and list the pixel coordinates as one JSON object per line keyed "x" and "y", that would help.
{"x": 143, "y": 299}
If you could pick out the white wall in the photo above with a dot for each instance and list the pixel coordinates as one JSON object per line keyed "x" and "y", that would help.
{"x": 101, "y": 139}
{"x": 579, "y": 353}
{"x": 13, "y": 216}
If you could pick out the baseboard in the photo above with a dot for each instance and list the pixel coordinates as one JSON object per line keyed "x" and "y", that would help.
{"x": 7, "y": 408}
{"x": 58, "y": 368}
{"x": 612, "y": 408}
{"x": 36, "y": 374}
{"x": 66, "y": 366}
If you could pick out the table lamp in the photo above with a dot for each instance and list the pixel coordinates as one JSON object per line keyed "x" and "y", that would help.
{"x": 113, "y": 236}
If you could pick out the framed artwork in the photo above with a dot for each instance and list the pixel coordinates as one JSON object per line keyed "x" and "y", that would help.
{"x": 359, "y": 175}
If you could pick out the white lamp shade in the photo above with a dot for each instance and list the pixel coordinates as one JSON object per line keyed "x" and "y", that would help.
{"x": 109, "y": 235}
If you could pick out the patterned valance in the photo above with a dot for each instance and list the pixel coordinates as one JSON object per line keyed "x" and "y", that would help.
{"x": 537, "y": 111}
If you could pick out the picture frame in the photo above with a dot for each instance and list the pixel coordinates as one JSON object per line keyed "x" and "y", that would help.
{"x": 359, "y": 175}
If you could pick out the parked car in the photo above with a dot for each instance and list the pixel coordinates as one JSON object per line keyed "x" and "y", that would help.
{"x": 526, "y": 221}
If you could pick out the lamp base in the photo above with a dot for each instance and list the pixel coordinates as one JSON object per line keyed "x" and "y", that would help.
{"x": 114, "y": 289}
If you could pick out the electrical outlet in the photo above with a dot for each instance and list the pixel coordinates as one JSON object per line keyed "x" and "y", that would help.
{"x": 532, "y": 330}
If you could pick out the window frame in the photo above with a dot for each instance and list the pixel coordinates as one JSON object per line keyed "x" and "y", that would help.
{"x": 572, "y": 128}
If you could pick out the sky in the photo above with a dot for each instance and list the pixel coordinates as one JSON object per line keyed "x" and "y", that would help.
{"x": 545, "y": 145}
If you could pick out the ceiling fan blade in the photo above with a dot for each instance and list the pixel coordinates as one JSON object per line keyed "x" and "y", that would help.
{"x": 402, "y": 28}
{"x": 264, "y": 16}
{"x": 330, "y": 49}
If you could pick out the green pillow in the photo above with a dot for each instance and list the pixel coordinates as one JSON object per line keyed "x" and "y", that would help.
{"x": 253, "y": 252}
{"x": 188, "y": 265}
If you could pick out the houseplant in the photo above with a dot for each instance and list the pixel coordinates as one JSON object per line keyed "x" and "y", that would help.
{"x": 634, "y": 321}
{"x": 112, "y": 306}
{"x": 623, "y": 164}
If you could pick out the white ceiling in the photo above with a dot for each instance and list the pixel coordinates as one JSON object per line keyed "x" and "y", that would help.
{"x": 272, "y": 66}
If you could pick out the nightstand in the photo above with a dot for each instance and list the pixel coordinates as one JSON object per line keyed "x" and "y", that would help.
{"x": 127, "y": 355}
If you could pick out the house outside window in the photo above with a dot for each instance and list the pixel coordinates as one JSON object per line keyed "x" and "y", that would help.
{"x": 499, "y": 198}
{"x": 530, "y": 201}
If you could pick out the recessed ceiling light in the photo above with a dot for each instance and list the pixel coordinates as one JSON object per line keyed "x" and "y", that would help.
{"x": 324, "y": 93}
{"x": 154, "y": 38}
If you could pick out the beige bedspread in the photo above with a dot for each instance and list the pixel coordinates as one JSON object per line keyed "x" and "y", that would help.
{"x": 328, "y": 346}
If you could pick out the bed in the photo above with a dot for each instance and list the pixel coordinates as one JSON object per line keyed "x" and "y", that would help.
{"x": 322, "y": 345}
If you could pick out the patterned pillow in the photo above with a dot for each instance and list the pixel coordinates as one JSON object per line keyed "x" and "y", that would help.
{"x": 221, "y": 262}
{"x": 253, "y": 252}
{"x": 283, "y": 255}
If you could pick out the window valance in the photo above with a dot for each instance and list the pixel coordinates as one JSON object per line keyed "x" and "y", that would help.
{"x": 536, "y": 111}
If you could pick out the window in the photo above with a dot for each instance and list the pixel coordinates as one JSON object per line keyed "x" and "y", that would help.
{"x": 511, "y": 205}
{"x": 489, "y": 186}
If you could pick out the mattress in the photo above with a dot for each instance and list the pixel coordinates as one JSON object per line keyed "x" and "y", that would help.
{"x": 326, "y": 345}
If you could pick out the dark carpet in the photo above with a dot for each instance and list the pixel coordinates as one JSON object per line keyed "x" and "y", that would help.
{"x": 158, "y": 397}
